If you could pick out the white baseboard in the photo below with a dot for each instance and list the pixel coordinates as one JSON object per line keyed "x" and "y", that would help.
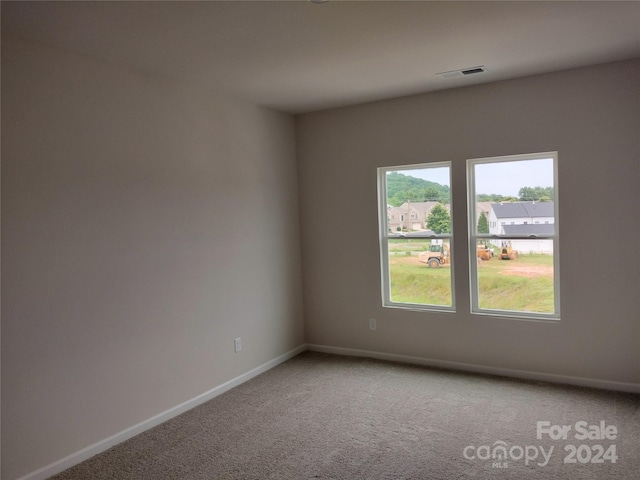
{"x": 98, "y": 447}
{"x": 468, "y": 367}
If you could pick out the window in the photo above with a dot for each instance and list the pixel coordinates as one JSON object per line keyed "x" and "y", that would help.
{"x": 416, "y": 259}
{"x": 512, "y": 229}
{"x": 514, "y": 268}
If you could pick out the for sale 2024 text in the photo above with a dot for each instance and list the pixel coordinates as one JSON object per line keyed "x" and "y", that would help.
{"x": 583, "y": 453}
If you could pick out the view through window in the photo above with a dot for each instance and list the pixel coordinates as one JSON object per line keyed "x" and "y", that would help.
{"x": 416, "y": 236}
{"x": 513, "y": 234}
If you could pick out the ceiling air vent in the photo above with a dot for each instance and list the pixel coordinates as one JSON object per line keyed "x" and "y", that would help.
{"x": 464, "y": 72}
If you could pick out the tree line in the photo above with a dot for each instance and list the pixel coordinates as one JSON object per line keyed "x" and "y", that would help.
{"x": 525, "y": 194}
{"x": 402, "y": 188}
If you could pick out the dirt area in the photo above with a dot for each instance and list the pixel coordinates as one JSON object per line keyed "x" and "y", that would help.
{"x": 530, "y": 271}
{"x": 502, "y": 267}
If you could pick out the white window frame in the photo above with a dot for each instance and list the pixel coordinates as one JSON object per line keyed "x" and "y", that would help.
{"x": 474, "y": 237}
{"x": 384, "y": 237}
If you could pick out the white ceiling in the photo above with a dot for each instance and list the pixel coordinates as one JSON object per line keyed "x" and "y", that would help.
{"x": 297, "y": 56}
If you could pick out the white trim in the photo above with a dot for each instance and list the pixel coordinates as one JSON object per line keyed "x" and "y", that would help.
{"x": 384, "y": 237}
{"x": 99, "y": 447}
{"x": 468, "y": 367}
{"x": 474, "y": 236}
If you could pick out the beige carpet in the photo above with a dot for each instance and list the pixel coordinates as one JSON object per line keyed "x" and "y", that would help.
{"x": 321, "y": 416}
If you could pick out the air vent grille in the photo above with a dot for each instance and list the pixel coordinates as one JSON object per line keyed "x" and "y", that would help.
{"x": 464, "y": 72}
{"x": 471, "y": 71}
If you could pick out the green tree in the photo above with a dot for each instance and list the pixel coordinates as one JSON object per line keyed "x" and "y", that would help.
{"x": 491, "y": 197}
{"x": 537, "y": 194}
{"x": 439, "y": 219}
{"x": 402, "y": 188}
{"x": 431, "y": 194}
{"x": 483, "y": 223}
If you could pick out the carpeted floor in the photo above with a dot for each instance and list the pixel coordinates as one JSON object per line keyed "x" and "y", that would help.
{"x": 322, "y": 416}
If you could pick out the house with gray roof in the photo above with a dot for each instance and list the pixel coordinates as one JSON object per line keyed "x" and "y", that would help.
{"x": 529, "y": 229}
{"x": 524, "y": 219}
{"x": 519, "y": 213}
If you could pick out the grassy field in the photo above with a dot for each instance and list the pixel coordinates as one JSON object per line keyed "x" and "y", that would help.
{"x": 524, "y": 284}
{"x": 414, "y": 282}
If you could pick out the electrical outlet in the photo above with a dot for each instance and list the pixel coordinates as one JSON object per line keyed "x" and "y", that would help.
{"x": 372, "y": 324}
{"x": 237, "y": 344}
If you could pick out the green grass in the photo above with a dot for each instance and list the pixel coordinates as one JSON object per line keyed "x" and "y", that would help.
{"x": 420, "y": 284}
{"x": 398, "y": 245}
{"x": 534, "y": 259}
{"x": 502, "y": 292}
{"x": 524, "y": 284}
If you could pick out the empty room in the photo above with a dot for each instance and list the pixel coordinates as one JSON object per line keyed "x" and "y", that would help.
{"x": 320, "y": 239}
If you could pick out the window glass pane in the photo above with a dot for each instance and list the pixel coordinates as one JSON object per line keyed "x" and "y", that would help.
{"x": 416, "y": 232}
{"x": 420, "y": 271}
{"x": 510, "y": 195}
{"x": 418, "y": 200}
{"x": 514, "y": 199}
{"x": 516, "y": 275}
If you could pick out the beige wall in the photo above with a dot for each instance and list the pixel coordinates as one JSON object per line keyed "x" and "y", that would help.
{"x": 144, "y": 226}
{"x": 590, "y": 116}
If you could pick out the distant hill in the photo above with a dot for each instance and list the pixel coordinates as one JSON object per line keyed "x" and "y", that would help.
{"x": 401, "y": 188}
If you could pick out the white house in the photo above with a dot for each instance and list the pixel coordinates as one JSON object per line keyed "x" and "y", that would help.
{"x": 524, "y": 218}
